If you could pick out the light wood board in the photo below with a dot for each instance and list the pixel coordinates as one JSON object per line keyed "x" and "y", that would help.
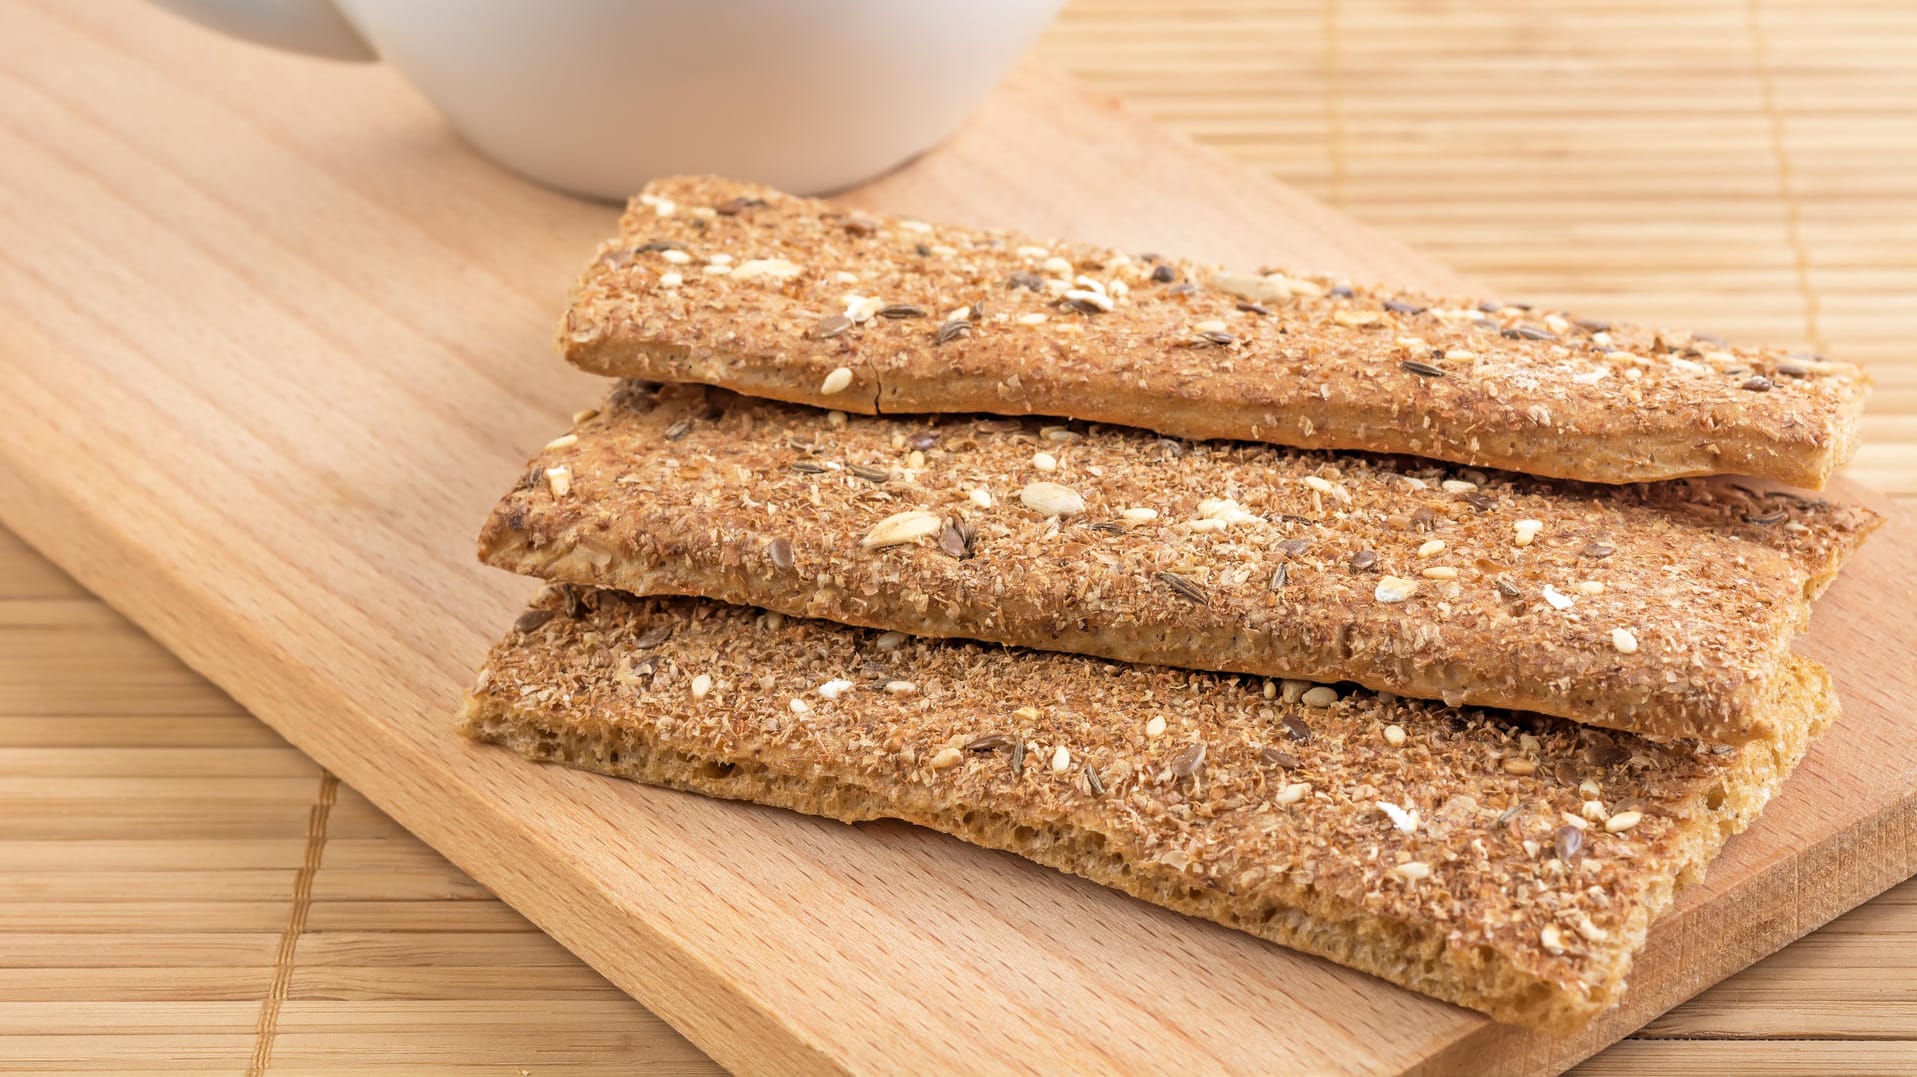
{"x": 270, "y": 343}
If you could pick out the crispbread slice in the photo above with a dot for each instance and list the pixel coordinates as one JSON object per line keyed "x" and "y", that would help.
{"x": 1664, "y": 609}
{"x": 1509, "y": 863}
{"x": 796, "y": 299}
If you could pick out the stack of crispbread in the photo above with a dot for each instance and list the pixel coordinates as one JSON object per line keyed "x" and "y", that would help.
{"x": 933, "y": 604}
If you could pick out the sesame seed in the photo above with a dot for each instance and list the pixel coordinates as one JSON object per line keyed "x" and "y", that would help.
{"x": 1033, "y": 318}
{"x": 702, "y": 686}
{"x": 891, "y": 641}
{"x": 1357, "y": 319}
{"x": 1293, "y": 793}
{"x": 900, "y": 688}
{"x": 1027, "y": 713}
{"x": 1414, "y": 870}
{"x": 835, "y": 688}
{"x": 675, "y": 256}
{"x": 1156, "y": 726}
{"x": 1461, "y": 354}
{"x": 947, "y": 758}
{"x": 1518, "y": 765}
{"x": 1589, "y": 587}
{"x": 1457, "y": 486}
{"x": 560, "y": 480}
{"x": 1558, "y": 599}
{"x": 836, "y": 381}
{"x": 1394, "y": 735}
{"x": 1087, "y": 301}
{"x": 980, "y": 496}
{"x": 1138, "y": 515}
{"x": 1593, "y": 810}
{"x": 799, "y": 706}
{"x": 1552, "y": 938}
{"x": 1392, "y": 589}
{"x": 1321, "y": 696}
{"x": 1056, "y": 265}
{"x": 1523, "y": 531}
{"x": 1061, "y": 760}
{"x": 1624, "y": 640}
{"x": 1431, "y": 548}
{"x": 1622, "y": 821}
{"x": 563, "y": 441}
{"x": 1440, "y": 572}
{"x": 670, "y": 280}
{"x": 1319, "y": 484}
{"x": 1044, "y": 461}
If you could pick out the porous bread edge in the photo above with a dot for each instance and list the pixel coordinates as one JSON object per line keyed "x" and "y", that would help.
{"x": 1352, "y": 426}
{"x": 1408, "y": 954}
{"x": 503, "y": 547}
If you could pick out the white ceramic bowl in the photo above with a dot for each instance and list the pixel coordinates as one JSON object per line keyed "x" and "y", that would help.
{"x": 598, "y": 96}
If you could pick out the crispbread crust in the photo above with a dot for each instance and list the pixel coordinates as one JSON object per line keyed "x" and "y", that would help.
{"x": 1259, "y": 559}
{"x": 1539, "y": 854}
{"x": 743, "y": 287}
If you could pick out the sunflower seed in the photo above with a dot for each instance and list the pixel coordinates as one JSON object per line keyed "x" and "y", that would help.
{"x": 901, "y": 310}
{"x": 678, "y": 430}
{"x": 1249, "y": 307}
{"x": 1018, "y": 759}
{"x": 953, "y": 540}
{"x": 1189, "y": 762}
{"x": 1091, "y": 781}
{"x": 952, "y": 330}
{"x": 1163, "y": 274}
{"x": 1342, "y": 292}
{"x": 1757, "y": 383}
{"x": 654, "y": 636}
{"x": 1279, "y": 759}
{"x": 736, "y": 206}
{"x": 1184, "y": 587}
{"x": 1598, "y": 550}
{"x": 1507, "y": 588}
{"x": 1296, "y": 729}
{"x": 780, "y": 551}
{"x": 531, "y": 620}
{"x": 570, "y": 601}
{"x": 1398, "y": 306}
{"x": 1529, "y": 332}
{"x": 1217, "y": 336}
{"x": 830, "y": 326}
{"x": 1422, "y": 369}
{"x": 923, "y": 441}
{"x": 1363, "y": 561}
{"x": 657, "y": 245}
{"x": 869, "y": 474}
{"x": 810, "y": 467}
{"x": 901, "y": 528}
{"x": 990, "y": 742}
{"x": 1775, "y": 516}
{"x": 1279, "y": 577}
{"x": 1029, "y": 281}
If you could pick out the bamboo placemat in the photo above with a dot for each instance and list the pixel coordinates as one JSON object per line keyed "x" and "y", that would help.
{"x": 180, "y": 891}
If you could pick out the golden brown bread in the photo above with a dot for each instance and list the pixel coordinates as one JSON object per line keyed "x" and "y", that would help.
{"x": 1664, "y": 609}
{"x": 798, "y": 300}
{"x": 1510, "y": 863}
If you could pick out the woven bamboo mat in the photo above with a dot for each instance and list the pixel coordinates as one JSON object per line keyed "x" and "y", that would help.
{"x": 182, "y": 892}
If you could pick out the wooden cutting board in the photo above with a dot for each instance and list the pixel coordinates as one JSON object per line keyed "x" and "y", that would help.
{"x": 271, "y": 341}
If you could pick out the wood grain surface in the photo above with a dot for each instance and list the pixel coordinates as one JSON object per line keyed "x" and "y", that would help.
{"x": 107, "y": 212}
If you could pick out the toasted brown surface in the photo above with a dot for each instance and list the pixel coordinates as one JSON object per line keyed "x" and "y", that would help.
{"x": 1259, "y": 559}
{"x": 743, "y": 287}
{"x": 1506, "y": 862}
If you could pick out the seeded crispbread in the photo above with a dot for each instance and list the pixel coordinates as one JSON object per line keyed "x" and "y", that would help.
{"x": 799, "y": 300}
{"x": 1664, "y": 609}
{"x": 1510, "y": 863}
